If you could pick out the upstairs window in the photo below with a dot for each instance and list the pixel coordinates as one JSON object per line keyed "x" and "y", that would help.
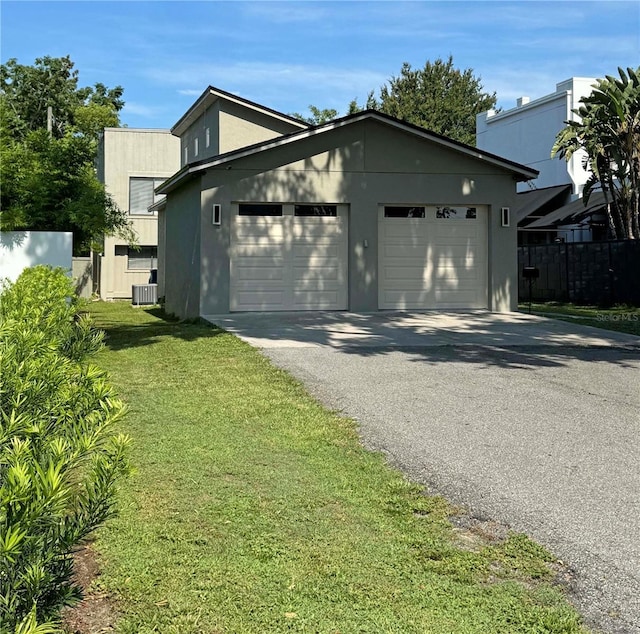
{"x": 142, "y": 196}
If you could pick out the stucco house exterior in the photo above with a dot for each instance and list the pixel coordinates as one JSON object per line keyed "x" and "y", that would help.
{"x": 526, "y": 134}
{"x": 131, "y": 164}
{"x": 362, "y": 213}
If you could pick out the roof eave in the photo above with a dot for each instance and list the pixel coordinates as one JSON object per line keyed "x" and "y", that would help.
{"x": 212, "y": 94}
{"x": 520, "y": 172}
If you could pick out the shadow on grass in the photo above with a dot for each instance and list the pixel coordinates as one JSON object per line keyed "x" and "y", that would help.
{"x": 146, "y": 326}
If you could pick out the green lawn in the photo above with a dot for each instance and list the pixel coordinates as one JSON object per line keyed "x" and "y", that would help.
{"x": 620, "y": 318}
{"x": 253, "y": 509}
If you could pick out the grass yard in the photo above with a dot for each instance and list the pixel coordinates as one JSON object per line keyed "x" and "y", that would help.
{"x": 620, "y": 318}
{"x": 253, "y": 509}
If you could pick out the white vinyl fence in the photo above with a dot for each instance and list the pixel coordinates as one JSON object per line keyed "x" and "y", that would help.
{"x": 22, "y": 249}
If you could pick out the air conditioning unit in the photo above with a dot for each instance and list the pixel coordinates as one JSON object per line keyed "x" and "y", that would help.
{"x": 144, "y": 294}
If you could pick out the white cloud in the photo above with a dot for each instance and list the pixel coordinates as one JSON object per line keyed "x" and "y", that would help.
{"x": 288, "y": 87}
{"x": 138, "y": 109}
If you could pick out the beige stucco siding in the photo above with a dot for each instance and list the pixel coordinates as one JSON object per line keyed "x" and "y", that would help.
{"x": 228, "y": 126}
{"x": 345, "y": 166}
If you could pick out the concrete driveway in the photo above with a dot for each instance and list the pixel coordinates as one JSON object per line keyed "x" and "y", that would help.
{"x": 530, "y": 422}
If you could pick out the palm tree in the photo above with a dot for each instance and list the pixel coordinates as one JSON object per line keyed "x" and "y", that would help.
{"x": 609, "y": 132}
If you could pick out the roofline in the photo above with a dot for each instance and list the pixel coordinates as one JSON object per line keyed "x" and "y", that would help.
{"x": 125, "y": 129}
{"x": 217, "y": 93}
{"x": 524, "y": 172}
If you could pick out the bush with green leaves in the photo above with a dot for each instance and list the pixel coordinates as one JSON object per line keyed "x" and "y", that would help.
{"x": 60, "y": 461}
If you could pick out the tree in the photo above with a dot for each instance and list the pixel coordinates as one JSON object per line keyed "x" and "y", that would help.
{"x": 608, "y": 131}
{"x": 437, "y": 97}
{"x": 318, "y": 116}
{"x": 47, "y": 168}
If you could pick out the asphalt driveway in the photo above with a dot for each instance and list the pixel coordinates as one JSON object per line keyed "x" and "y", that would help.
{"x": 530, "y": 422}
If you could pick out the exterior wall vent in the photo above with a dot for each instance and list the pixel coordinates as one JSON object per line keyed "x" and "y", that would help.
{"x": 144, "y": 294}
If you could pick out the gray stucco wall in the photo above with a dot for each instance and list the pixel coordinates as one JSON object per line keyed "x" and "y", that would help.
{"x": 181, "y": 263}
{"x": 364, "y": 165}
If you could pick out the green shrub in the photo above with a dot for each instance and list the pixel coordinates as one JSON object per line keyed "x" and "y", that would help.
{"x": 59, "y": 461}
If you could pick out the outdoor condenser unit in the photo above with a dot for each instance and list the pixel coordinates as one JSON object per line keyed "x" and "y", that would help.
{"x": 144, "y": 294}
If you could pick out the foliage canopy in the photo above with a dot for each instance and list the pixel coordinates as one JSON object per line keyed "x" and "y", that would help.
{"x": 47, "y": 167}
{"x": 438, "y": 97}
{"x": 608, "y": 132}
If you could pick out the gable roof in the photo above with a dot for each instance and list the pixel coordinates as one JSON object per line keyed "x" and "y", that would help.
{"x": 212, "y": 94}
{"x": 520, "y": 172}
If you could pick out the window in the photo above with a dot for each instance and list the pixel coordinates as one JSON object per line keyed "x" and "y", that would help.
{"x": 141, "y": 259}
{"x": 195, "y": 146}
{"x": 404, "y": 212}
{"x": 141, "y": 194}
{"x": 207, "y": 137}
{"x": 259, "y": 210}
{"x": 186, "y": 154}
{"x": 315, "y": 210}
{"x": 456, "y": 213}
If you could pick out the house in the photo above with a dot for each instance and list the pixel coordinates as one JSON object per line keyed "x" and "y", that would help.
{"x": 526, "y": 134}
{"x": 362, "y": 213}
{"x": 131, "y": 164}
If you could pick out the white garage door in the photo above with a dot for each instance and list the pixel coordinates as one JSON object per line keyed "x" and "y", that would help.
{"x": 288, "y": 257}
{"x": 432, "y": 257}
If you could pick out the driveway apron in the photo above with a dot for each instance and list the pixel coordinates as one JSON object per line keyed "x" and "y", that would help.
{"x": 530, "y": 422}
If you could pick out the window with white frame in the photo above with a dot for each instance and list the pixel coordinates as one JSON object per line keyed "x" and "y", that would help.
{"x": 142, "y": 195}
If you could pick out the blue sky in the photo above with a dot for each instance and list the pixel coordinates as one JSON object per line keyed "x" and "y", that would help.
{"x": 287, "y": 55}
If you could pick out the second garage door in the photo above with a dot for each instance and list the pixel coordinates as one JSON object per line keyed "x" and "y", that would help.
{"x": 288, "y": 257}
{"x": 432, "y": 257}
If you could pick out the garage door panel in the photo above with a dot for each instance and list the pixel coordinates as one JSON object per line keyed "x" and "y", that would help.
{"x": 405, "y": 299}
{"x": 404, "y": 250}
{"x": 328, "y": 250}
{"x": 314, "y": 300}
{"x": 259, "y": 233}
{"x": 433, "y": 262}
{"x": 258, "y": 300}
{"x": 261, "y": 274}
{"x": 305, "y": 257}
{"x": 398, "y": 273}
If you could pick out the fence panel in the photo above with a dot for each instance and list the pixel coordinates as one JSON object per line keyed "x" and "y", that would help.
{"x": 601, "y": 273}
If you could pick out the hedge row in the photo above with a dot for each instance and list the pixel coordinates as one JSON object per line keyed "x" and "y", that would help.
{"x": 59, "y": 459}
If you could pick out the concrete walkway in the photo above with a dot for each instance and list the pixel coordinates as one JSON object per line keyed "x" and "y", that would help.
{"x": 527, "y": 421}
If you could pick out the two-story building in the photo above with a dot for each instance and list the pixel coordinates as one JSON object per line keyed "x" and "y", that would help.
{"x": 132, "y": 163}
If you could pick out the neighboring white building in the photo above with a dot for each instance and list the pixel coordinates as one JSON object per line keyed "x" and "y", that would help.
{"x": 526, "y": 134}
{"x": 131, "y": 164}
